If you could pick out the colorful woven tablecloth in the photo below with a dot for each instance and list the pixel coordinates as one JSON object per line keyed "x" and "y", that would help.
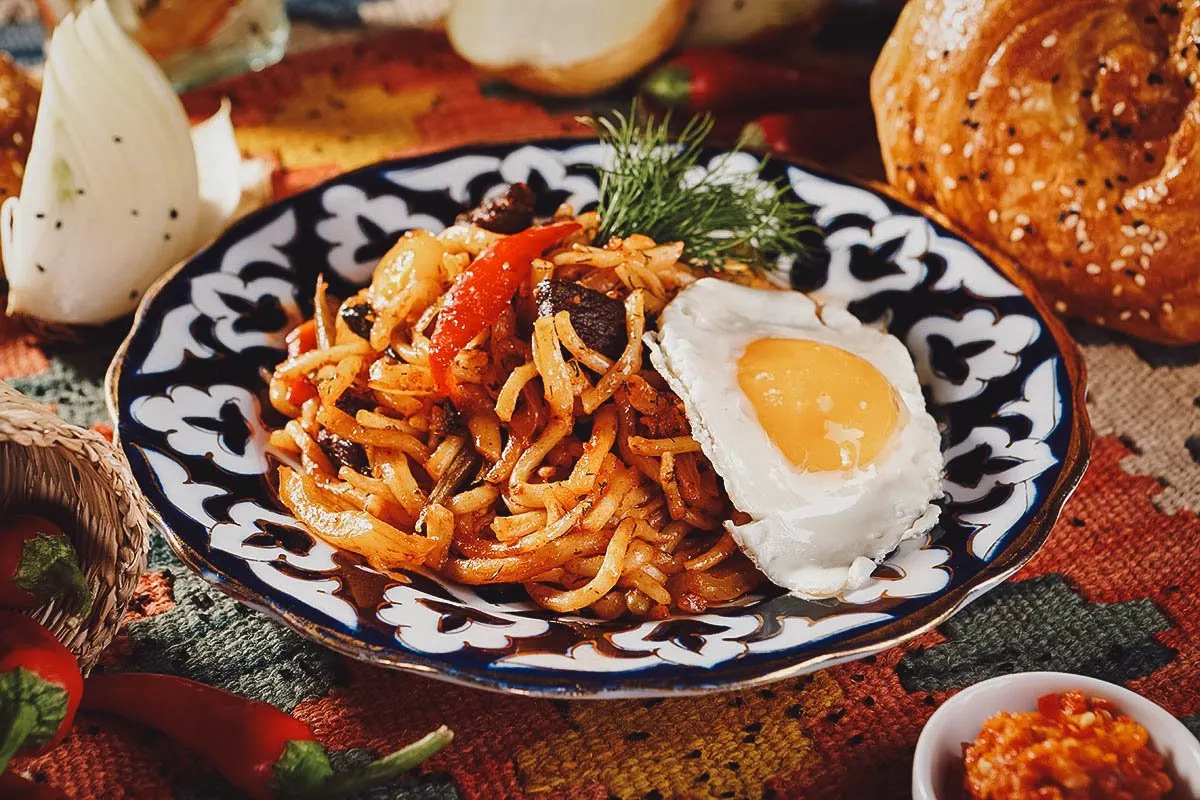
{"x": 1115, "y": 593}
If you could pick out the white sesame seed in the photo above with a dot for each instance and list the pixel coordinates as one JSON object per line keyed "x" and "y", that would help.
{"x": 1065, "y": 191}
{"x": 1143, "y": 313}
{"x": 1139, "y": 279}
{"x": 919, "y": 135}
{"x": 1087, "y": 247}
{"x": 948, "y": 183}
{"x": 1038, "y": 185}
{"x": 1117, "y": 291}
{"x": 1144, "y": 262}
{"x": 924, "y": 81}
{"x": 935, "y": 95}
{"x": 1009, "y": 166}
{"x": 1159, "y": 245}
{"x": 1099, "y": 320}
{"x": 993, "y": 216}
{"x": 1017, "y": 234}
{"x": 1143, "y": 229}
{"x": 18, "y": 138}
{"x": 946, "y": 149}
{"x": 911, "y": 186}
{"x": 1021, "y": 219}
{"x": 1117, "y": 264}
{"x": 1167, "y": 307}
{"x": 1101, "y": 204}
{"x": 990, "y": 81}
{"x": 1147, "y": 248}
{"x": 1060, "y": 306}
{"x": 1124, "y": 315}
{"x": 1013, "y": 93}
{"x": 1128, "y": 250}
{"x": 1050, "y": 41}
{"x": 968, "y": 149}
{"x": 1128, "y": 231}
{"x": 1092, "y": 269}
{"x": 1016, "y": 148}
{"x": 1119, "y": 108}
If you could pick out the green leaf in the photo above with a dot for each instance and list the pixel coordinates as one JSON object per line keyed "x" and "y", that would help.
{"x": 49, "y": 567}
{"x": 659, "y": 188}
{"x": 31, "y": 711}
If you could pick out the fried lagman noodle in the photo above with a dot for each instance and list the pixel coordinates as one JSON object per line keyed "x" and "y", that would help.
{"x": 434, "y": 422}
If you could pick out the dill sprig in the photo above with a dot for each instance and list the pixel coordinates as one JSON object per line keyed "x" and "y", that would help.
{"x": 660, "y": 188}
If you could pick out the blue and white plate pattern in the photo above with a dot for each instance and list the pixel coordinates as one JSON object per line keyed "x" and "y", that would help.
{"x": 188, "y": 391}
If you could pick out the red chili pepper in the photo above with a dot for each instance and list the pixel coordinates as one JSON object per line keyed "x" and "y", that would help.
{"x": 302, "y": 339}
{"x": 821, "y": 134}
{"x": 718, "y": 80}
{"x": 484, "y": 290}
{"x": 38, "y": 563}
{"x": 14, "y": 787}
{"x": 262, "y": 751}
{"x": 40, "y": 685}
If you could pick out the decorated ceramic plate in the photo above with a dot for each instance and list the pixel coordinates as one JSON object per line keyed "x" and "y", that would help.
{"x": 188, "y": 391}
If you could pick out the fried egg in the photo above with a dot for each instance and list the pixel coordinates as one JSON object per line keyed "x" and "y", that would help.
{"x": 814, "y": 421}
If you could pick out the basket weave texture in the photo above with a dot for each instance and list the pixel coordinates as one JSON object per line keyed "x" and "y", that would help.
{"x": 77, "y": 479}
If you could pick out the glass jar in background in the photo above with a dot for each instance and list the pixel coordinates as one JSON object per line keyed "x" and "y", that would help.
{"x": 196, "y": 41}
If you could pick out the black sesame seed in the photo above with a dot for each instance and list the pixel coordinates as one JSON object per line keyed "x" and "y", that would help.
{"x": 856, "y": 739}
{"x": 166, "y": 237}
{"x": 1137, "y": 223}
{"x": 1012, "y": 131}
{"x": 984, "y": 175}
{"x": 1055, "y": 78}
{"x": 58, "y": 225}
{"x": 1085, "y": 93}
{"x": 1080, "y": 182}
{"x": 134, "y": 212}
{"x": 133, "y": 295}
{"x": 1130, "y": 273}
{"x": 1154, "y": 79}
{"x": 40, "y": 268}
{"x": 1122, "y": 179}
{"x": 118, "y": 139}
{"x": 173, "y": 213}
{"x": 40, "y": 215}
{"x": 1119, "y": 210}
{"x": 1149, "y": 157}
{"x": 1150, "y": 19}
{"x": 79, "y": 192}
{"x": 1069, "y": 263}
{"x": 1108, "y": 184}
{"x": 1093, "y": 124}
{"x": 1168, "y": 9}
{"x": 972, "y": 101}
{"x": 921, "y": 166}
{"x": 1104, "y": 135}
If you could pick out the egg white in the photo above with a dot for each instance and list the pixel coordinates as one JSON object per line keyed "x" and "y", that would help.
{"x": 816, "y": 534}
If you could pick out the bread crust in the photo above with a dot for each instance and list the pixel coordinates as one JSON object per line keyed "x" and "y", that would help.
{"x": 1067, "y": 135}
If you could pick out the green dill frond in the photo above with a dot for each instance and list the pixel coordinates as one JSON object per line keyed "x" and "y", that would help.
{"x": 656, "y": 185}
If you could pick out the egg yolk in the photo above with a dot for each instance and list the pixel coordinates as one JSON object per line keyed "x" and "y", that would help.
{"x": 824, "y": 407}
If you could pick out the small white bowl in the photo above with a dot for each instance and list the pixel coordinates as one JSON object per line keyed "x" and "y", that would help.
{"x": 937, "y": 764}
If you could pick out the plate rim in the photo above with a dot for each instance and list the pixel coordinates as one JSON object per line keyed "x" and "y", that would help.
{"x": 1025, "y": 546}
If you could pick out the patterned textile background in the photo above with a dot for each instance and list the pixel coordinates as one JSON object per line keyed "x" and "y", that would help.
{"x": 1115, "y": 593}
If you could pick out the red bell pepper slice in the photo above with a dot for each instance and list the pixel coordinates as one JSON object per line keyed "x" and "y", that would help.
{"x": 484, "y": 290}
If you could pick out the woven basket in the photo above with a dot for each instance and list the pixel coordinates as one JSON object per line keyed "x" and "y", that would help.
{"x": 76, "y": 478}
